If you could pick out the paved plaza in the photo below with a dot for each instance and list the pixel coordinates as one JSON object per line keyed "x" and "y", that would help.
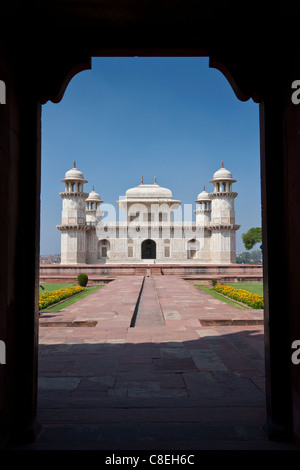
{"x": 171, "y": 368}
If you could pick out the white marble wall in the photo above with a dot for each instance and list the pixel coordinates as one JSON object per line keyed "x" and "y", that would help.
{"x": 73, "y": 246}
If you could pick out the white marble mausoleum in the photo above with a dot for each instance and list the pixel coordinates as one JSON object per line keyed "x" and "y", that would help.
{"x": 152, "y": 229}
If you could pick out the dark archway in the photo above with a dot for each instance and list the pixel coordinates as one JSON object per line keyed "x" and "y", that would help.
{"x": 213, "y": 29}
{"x": 148, "y": 249}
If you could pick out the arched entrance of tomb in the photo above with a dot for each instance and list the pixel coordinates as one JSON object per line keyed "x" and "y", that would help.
{"x": 148, "y": 248}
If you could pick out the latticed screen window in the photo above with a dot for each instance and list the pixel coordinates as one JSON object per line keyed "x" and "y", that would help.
{"x": 130, "y": 252}
{"x": 167, "y": 252}
{"x": 104, "y": 251}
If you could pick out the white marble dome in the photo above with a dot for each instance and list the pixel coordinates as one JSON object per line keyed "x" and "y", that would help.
{"x": 74, "y": 174}
{"x": 93, "y": 196}
{"x": 222, "y": 174}
{"x": 203, "y": 196}
{"x": 148, "y": 191}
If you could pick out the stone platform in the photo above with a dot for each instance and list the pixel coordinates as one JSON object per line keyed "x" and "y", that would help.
{"x": 179, "y": 383}
{"x": 103, "y": 273}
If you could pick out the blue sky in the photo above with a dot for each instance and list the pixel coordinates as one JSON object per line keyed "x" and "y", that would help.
{"x": 173, "y": 118}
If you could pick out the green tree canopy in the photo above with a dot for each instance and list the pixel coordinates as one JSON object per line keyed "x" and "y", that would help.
{"x": 253, "y": 236}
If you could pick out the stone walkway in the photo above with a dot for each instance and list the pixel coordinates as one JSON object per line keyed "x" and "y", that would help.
{"x": 191, "y": 376}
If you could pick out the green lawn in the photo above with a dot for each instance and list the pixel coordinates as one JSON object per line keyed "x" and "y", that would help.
{"x": 254, "y": 287}
{"x": 71, "y": 300}
{"x": 49, "y": 286}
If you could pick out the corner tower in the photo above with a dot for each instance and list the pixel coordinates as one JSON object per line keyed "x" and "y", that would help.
{"x": 93, "y": 217}
{"x": 73, "y": 220}
{"x": 223, "y": 227}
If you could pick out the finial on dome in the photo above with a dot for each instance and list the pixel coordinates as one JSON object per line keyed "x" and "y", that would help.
{"x": 154, "y": 179}
{"x": 74, "y": 164}
{"x": 204, "y": 188}
{"x": 142, "y": 180}
{"x": 222, "y": 164}
{"x": 93, "y": 188}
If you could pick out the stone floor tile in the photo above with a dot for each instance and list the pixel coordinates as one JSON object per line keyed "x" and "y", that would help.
{"x": 175, "y": 385}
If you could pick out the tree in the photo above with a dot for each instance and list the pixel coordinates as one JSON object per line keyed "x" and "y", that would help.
{"x": 253, "y": 236}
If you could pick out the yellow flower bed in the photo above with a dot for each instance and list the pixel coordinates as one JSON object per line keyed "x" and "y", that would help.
{"x": 52, "y": 297}
{"x": 241, "y": 295}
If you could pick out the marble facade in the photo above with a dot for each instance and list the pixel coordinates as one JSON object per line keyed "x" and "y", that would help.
{"x": 152, "y": 229}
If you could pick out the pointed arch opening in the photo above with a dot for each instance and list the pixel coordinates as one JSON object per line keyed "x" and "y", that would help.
{"x": 148, "y": 249}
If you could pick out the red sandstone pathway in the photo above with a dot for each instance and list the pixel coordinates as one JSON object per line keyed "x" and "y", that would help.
{"x": 173, "y": 386}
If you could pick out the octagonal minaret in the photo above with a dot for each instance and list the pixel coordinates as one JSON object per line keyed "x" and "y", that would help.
{"x": 73, "y": 219}
{"x": 223, "y": 226}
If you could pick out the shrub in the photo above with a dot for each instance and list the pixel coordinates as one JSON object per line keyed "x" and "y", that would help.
{"x": 214, "y": 282}
{"x": 82, "y": 279}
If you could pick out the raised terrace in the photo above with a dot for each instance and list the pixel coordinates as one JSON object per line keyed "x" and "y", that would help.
{"x": 105, "y": 273}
